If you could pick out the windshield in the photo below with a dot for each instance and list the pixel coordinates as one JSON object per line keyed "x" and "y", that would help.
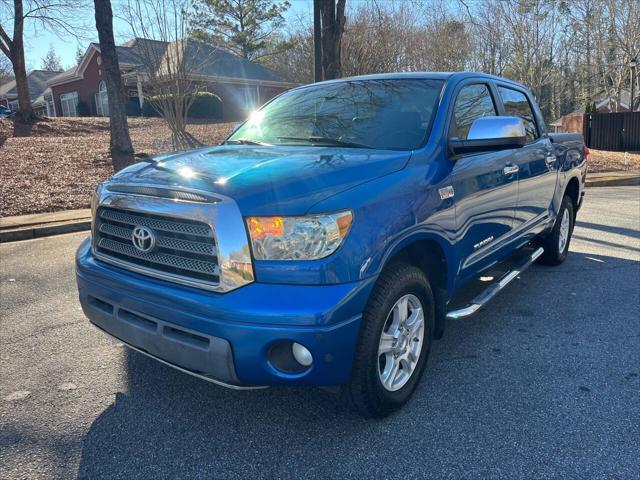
{"x": 384, "y": 114}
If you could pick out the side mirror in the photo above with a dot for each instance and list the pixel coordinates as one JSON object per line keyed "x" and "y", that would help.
{"x": 490, "y": 134}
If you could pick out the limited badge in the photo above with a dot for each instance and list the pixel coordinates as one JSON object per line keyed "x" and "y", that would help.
{"x": 446, "y": 192}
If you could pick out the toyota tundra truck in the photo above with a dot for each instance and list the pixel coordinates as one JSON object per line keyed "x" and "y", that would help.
{"x": 323, "y": 242}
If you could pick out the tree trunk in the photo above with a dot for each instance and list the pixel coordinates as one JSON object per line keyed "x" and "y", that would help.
{"x": 120, "y": 145}
{"x": 333, "y": 20}
{"x": 16, "y": 55}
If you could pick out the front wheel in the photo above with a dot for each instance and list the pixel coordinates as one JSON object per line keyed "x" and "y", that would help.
{"x": 556, "y": 245}
{"x": 395, "y": 339}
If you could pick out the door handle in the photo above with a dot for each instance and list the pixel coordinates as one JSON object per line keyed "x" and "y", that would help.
{"x": 510, "y": 169}
{"x": 550, "y": 160}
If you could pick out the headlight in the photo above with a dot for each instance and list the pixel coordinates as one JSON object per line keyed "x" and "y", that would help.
{"x": 298, "y": 238}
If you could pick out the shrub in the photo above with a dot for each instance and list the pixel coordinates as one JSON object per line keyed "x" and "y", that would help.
{"x": 133, "y": 108}
{"x": 205, "y": 105}
{"x": 148, "y": 109}
{"x": 83, "y": 109}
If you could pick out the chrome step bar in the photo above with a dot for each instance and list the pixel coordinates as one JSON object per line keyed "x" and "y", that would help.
{"x": 481, "y": 300}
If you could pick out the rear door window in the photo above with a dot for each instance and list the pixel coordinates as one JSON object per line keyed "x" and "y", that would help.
{"x": 516, "y": 104}
{"x": 473, "y": 101}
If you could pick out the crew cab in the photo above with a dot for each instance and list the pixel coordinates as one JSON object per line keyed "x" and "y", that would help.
{"x": 323, "y": 242}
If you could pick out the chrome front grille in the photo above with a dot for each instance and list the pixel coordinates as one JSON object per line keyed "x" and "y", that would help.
{"x": 185, "y": 250}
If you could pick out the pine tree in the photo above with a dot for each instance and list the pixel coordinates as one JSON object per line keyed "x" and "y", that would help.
{"x": 51, "y": 61}
{"x": 248, "y": 28}
{"x": 79, "y": 55}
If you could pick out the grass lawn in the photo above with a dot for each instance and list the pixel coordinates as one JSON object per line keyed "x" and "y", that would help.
{"x": 55, "y": 164}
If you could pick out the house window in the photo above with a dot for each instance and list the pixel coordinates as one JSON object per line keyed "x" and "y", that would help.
{"x": 69, "y": 103}
{"x": 48, "y": 102}
{"x": 102, "y": 101}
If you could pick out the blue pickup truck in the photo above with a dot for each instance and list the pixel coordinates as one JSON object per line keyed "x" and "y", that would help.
{"x": 323, "y": 242}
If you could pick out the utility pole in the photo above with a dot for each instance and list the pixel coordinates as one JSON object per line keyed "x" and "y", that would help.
{"x": 317, "y": 42}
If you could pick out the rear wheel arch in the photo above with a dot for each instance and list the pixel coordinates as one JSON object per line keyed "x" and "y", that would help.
{"x": 573, "y": 192}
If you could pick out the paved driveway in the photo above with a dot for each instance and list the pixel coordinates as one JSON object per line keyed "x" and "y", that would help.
{"x": 543, "y": 383}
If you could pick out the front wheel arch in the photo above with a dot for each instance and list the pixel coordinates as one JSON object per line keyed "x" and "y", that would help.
{"x": 429, "y": 256}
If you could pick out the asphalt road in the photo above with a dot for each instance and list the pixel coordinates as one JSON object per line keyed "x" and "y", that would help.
{"x": 544, "y": 383}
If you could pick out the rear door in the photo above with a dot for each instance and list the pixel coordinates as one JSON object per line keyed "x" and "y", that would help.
{"x": 537, "y": 166}
{"x": 485, "y": 194}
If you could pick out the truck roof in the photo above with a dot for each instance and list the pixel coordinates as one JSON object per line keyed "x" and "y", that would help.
{"x": 423, "y": 75}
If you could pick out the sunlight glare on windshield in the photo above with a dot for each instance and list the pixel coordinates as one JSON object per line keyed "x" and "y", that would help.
{"x": 254, "y": 122}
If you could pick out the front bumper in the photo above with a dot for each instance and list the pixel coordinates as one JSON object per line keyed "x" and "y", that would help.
{"x": 226, "y": 338}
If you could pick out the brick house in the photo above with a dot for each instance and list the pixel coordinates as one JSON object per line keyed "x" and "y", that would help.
{"x": 241, "y": 84}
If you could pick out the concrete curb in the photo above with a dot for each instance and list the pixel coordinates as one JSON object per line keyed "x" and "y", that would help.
{"x": 613, "y": 179}
{"x": 24, "y": 227}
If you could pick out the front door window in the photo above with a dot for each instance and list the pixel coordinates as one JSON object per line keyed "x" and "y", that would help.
{"x": 102, "y": 101}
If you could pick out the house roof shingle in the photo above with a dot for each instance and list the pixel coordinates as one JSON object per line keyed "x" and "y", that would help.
{"x": 217, "y": 62}
{"x": 203, "y": 59}
{"x": 37, "y": 80}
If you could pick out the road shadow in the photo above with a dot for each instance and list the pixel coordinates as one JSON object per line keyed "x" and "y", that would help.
{"x": 169, "y": 425}
{"x": 629, "y": 232}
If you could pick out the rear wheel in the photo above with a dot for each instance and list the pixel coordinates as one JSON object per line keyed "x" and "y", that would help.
{"x": 395, "y": 339}
{"x": 556, "y": 245}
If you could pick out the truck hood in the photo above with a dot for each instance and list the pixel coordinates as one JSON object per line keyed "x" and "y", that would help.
{"x": 270, "y": 180}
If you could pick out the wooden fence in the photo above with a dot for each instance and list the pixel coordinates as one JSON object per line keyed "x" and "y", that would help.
{"x": 615, "y": 132}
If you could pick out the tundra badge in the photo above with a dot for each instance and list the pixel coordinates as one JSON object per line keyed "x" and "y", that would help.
{"x": 482, "y": 243}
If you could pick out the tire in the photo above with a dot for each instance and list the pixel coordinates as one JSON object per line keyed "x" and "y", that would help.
{"x": 556, "y": 244}
{"x": 398, "y": 283}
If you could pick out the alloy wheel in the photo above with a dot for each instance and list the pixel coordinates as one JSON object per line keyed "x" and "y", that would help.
{"x": 401, "y": 342}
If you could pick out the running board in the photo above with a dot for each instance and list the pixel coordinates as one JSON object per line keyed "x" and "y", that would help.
{"x": 482, "y": 299}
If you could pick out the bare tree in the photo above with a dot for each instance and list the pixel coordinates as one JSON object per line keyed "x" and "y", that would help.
{"x": 13, "y": 48}
{"x": 623, "y": 45}
{"x": 332, "y": 21}
{"x": 173, "y": 65}
{"x": 296, "y": 63}
{"x": 54, "y": 15}
{"x": 120, "y": 143}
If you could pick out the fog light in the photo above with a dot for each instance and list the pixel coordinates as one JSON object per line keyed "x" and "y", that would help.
{"x": 301, "y": 354}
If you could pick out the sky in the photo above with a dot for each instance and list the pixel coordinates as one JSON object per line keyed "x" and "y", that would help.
{"x": 38, "y": 40}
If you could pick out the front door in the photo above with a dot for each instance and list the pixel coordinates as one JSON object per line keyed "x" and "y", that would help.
{"x": 538, "y": 167}
{"x": 485, "y": 187}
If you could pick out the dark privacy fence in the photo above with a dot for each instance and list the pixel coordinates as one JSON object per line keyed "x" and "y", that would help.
{"x": 616, "y": 132}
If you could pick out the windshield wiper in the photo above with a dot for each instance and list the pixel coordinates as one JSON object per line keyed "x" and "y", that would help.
{"x": 245, "y": 141}
{"x": 326, "y": 140}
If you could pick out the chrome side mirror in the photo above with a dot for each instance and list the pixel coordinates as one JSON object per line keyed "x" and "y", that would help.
{"x": 491, "y": 133}
{"x": 485, "y": 128}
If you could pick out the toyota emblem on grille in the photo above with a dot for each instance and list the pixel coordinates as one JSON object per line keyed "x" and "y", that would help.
{"x": 143, "y": 239}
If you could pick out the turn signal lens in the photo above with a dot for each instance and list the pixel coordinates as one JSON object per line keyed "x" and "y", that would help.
{"x": 344, "y": 223}
{"x": 298, "y": 238}
{"x": 260, "y": 227}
